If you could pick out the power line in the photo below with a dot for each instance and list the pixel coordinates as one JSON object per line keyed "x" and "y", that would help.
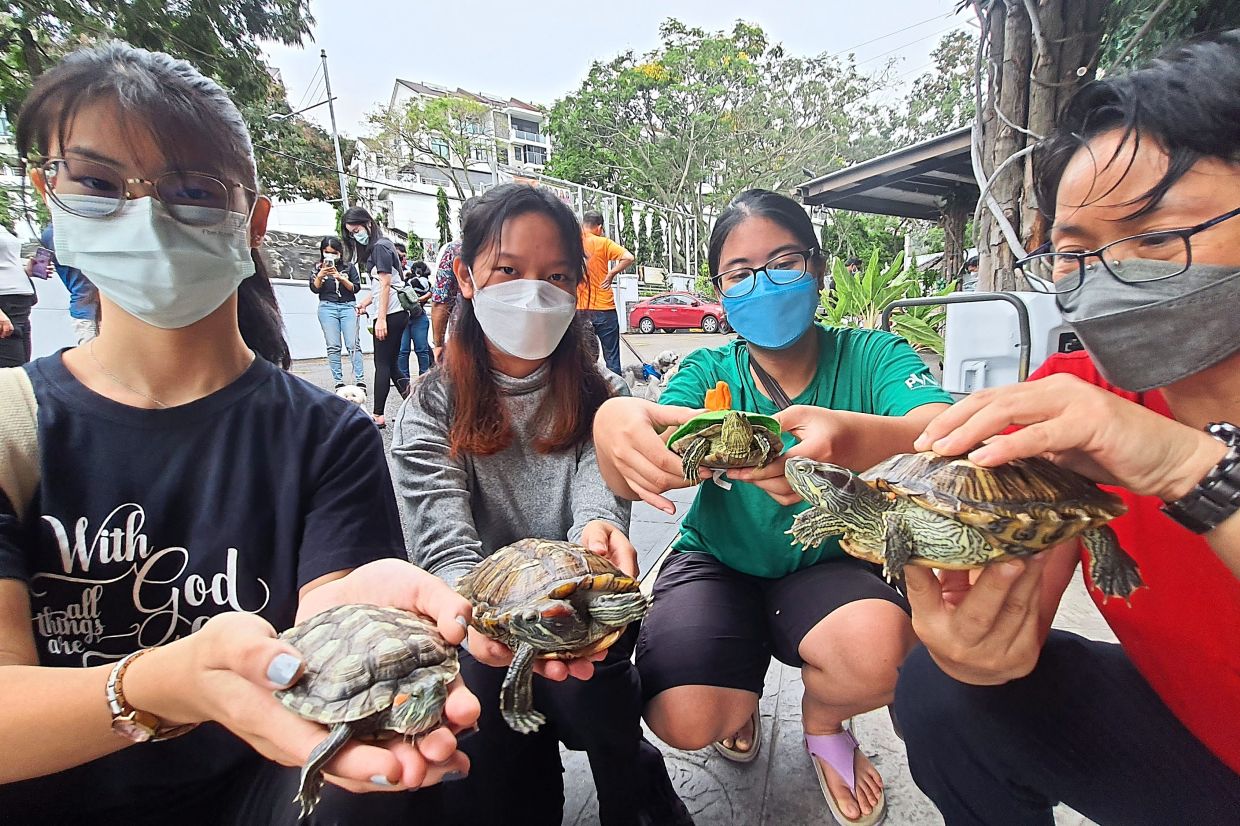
{"x": 906, "y": 45}
{"x": 333, "y": 170}
{"x": 892, "y": 34}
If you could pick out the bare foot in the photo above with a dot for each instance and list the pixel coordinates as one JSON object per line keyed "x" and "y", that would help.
{"x": 742, "y": 740}
{"x": 868, "y": 786}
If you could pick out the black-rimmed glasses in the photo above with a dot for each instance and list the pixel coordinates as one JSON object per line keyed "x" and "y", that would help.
{"x": 1059, "y": 273}
{"x": 782, "y": 269}
{"x": 93, "y": 189}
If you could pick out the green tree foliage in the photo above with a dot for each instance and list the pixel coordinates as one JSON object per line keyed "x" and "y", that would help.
{"x": 658, "y": 245}
{"x": 847, "y": 234}
{"x": 642, "y": 253}
{"x": 942, "y": 99}
{"x": 444, "y": 220}
{"x": 416, "y": 247}
{"x": 1180, "y": 19}
{"x": 627, "y": 232}
{"x": 444, "y": 131}
{"x": 708, "y": 114}
{"x": 222, "y": 39}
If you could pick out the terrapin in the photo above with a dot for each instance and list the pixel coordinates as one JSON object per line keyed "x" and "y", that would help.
{"x": 726, "y": 439}
{"x": 948, "y": 513}
{"x": 548, "y": 600}
{"x": 370, "y": 673}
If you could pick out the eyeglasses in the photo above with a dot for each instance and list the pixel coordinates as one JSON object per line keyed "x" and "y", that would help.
{"x": 1059, "y": 273}
{"x": 782, "y": 269}
{"x": 93, "y": 189}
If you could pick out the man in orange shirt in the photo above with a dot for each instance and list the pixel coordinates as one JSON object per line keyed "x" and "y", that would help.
{"x": 595, "y": 301}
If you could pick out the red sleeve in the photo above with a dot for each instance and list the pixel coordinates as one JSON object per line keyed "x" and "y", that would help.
{"x": 1079, "y": 364}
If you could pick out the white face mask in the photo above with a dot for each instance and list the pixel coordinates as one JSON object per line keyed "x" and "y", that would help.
{"x": 158, "y": 270}
{"x": 524, "y": 318}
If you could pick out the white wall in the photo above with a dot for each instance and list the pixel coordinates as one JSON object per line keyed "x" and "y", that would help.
{"x": 303, "y": 217}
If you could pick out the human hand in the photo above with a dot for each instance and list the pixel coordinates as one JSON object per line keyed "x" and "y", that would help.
{"x": 497, "y": 655}
{"x": 1096, "y": 433}
{"x": 226, "y": 672}
{"x": 6, "y": 325}
{"x": 607, "y": 540}
{"x": 822, "y": 434}
{"x": 437, "y": 352}
{"x": 987, "y": 633}
{"x": 381, "y": 328}
{"x": 627, "y": 439}
{"x": 606, "y": 282}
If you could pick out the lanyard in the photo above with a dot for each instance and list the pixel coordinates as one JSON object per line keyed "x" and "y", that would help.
{"x": 769, "y": 384}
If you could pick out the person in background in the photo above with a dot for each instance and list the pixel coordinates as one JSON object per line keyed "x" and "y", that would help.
{"x": 854, "y": 265}
{"x": 969, "y": 278}
{"x": 83, "y": 297}
{"x": 224, "y": 498}
{"x": 17, "y": 296}
{"x": 445, "y": 290}
{"x": 365, "y": 244}
{"x": 417, "y": 330}
{"x": 1004, "y": 716}
{"x": 336, "y": 284}
{"x": 597, "y": 303}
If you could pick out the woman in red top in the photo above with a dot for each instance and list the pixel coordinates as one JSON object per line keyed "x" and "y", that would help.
{"x": 1002, "y": 716}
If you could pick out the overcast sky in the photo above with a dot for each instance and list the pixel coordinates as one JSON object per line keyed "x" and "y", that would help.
{"x": 541, "y": 50}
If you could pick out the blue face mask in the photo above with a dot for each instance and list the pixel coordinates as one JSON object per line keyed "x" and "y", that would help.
{"x": 362, "y": 237}
{"x": 773, "y": 316}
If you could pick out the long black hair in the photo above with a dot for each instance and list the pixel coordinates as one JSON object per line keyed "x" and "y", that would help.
{"x": 1187, "y": 100}
{"x": 353, "y": 251}
{"x": 762, "y": 203}
{"x": 480, "y": 424}
{"x": 185, "y": 113}
{"x": 330, "y": 241}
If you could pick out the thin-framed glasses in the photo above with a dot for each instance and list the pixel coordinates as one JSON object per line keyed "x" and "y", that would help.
{"x": 93, "y": 189}
{"x": 1059, "y": 273}
{"x": 787, "y": 268}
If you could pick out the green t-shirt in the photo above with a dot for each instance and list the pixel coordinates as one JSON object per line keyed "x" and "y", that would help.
{"x": 863, "y": 371}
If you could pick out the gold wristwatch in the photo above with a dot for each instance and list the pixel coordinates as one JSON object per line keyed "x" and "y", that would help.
{"x": 129, "y": 722}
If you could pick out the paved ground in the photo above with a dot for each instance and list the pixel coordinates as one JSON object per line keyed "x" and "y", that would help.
{"x": 779, "y": 787}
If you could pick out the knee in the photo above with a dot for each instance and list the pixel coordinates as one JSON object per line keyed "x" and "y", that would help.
{"x": 690, "y": 723}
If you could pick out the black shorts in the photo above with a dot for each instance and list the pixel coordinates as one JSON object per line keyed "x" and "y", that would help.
{"x": 712, "y": 625}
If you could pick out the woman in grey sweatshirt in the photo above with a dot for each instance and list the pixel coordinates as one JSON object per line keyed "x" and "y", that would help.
{"x": 495, "y": 446}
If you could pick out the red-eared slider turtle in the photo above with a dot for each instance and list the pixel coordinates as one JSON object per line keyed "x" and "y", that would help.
{"x": 721, "y": 439}
{"x": 946, "y": 512}
{"x": 550, "y": 600}
{"x": 370, "y": 673}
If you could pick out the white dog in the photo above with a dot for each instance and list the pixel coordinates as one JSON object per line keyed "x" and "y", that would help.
{"x": 667, "y": 363}
{"x": 352, "y": 393}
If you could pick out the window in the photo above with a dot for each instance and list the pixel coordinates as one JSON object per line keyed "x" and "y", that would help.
{"x": 525, "y": 125}
{"x": 535, "y": 154}
{"x": 439, "y": 146}
{"x": 501, "y": 154}
{"x": 479, "y": 153}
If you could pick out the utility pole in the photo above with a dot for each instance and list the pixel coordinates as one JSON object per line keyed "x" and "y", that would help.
{"x": 331, "y": 108}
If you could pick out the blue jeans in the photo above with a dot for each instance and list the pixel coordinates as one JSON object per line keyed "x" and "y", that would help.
{"x": 607, "y": 328}
{"x": 339, "y": 320}
{"x": 417, "y": 334}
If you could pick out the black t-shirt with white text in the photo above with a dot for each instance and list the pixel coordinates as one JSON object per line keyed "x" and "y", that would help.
{"x": 149, "y": 522}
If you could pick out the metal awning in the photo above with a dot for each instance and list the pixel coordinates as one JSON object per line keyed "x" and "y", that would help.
{"x": 910, "y": 182}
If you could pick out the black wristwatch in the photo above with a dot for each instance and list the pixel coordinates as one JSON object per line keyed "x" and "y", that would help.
{"x": 1217, "y": 496}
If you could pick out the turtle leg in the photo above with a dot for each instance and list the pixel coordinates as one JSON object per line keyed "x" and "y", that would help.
{"x": 616, "y": 610}
{"x": 763, "y": 440}
{"x": 1113, "y": 571}
{"x": 312, "y": 773}
{"x": 812, "y": 526}
{"x": 516, "y": 695}
{"x": 692, "y": 458}
{"x": 899, "y": 546}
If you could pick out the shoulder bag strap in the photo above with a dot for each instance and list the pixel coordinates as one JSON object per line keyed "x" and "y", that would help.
{"x": 19, "y": 439}
{"x": 769, "y": 384}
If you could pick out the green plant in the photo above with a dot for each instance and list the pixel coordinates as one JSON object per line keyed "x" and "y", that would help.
{"x": 642, "y": 253}
{"x": 658, "y": 246}
{"x": 444, "y": 220}
{"x": 417, "y": 249}
{"x": 702, "y": 285}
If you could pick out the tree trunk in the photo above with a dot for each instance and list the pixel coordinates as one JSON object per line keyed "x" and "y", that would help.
{"x": 1029, "y": 79}
{"x": 955, "y": 217}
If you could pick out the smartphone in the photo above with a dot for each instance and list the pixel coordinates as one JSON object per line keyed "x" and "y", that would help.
{"x": 331, "y": 258}
{"x": 41, "y": 266}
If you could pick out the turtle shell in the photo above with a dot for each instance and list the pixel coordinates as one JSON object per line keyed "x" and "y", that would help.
{"x": 1030, "y": 503}
{"x": 356, "y": 656}
{"x": 710, "y": 424}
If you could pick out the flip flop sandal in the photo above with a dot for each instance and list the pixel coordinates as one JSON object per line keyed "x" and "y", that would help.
{"x": 837, "y": 750}
{"x": 737, "y": 756}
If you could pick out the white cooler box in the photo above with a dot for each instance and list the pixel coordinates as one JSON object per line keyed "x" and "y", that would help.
{"x": 983, "y": 340}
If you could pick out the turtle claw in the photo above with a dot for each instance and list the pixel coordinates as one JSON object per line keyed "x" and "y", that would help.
{"x": 524, "y": 722}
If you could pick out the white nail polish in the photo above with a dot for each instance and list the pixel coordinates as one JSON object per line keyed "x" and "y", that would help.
{"x": 283, "y": 669}
{"x": 380, "y": 780}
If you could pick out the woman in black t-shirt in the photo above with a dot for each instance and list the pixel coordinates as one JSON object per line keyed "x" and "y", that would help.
{"x": 336, "y": 284}
{"x": 193, "y": 497}
{"x": 365, "y": 244}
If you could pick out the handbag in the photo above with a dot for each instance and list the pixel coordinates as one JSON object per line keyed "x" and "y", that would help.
{"x": 19, "y": 440}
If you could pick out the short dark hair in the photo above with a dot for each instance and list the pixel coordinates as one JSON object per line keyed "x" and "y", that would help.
{"x": 854, "y": 260}
{"x": 1187, "y": 100}
{"x": 972, "y": 262}
{"x": 400, "y": 246}
{"x": 763, "y": 203}
{"x": 592, "y": 219}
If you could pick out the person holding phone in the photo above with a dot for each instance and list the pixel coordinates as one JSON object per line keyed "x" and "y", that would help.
{"x": 336, "y": 285}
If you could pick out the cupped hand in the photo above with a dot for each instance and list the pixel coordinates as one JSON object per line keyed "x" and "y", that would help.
{"x": 6, "y": 325}
{"x": 497, "y": 655}
{"x": 627, "y": 440}
{"x": 1094, "y": 432}
{"x": 381, "y": 329}
{"x": 987, "y": 633}
{"x": 607, "y": 540}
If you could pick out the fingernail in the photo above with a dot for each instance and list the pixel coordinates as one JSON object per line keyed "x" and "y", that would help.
{"x": 380, "y": 780}
{"x": 283, "y": 669}
{"x": 461, "y": 621}
{"x": 450, "y": 776}
{"x": 1014, "y": 565}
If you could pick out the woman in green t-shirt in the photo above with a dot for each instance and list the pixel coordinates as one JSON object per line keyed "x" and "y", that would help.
{"x": 735, "y": 591}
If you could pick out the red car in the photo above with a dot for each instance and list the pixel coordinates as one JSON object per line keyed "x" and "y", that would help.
{"x": 677, "y": 311}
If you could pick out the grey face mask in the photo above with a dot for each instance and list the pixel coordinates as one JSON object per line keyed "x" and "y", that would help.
{"x": 1151, "y": 334}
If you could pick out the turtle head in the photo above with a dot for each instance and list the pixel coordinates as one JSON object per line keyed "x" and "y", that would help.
{"x": 735, "y": 434}
{"x": 831, "y": 487}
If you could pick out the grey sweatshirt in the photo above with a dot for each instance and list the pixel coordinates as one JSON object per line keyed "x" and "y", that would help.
{"x": 457, "y": 511}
